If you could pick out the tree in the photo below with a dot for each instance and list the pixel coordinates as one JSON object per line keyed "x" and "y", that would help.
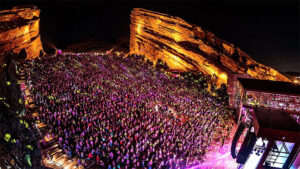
{"x": 17, "y": 140}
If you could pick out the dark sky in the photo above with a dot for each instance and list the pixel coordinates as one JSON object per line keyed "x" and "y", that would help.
{"x": 266, "y": 30}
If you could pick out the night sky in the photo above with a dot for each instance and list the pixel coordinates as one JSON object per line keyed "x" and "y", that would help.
{"x": 266, "y": 30}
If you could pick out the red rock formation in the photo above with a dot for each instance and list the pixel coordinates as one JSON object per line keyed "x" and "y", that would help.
{"x": 19, "y": 29}
{"x": 184, "y": 46}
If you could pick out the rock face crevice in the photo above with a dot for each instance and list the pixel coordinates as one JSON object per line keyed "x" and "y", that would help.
{"x": 19, "y": 29}
{"x": 184, "y": 46}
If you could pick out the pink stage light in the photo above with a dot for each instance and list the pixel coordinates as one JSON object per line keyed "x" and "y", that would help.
{"x": 59, "y": 51}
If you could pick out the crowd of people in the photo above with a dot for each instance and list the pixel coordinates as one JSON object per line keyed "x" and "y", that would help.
{"x": 125, "y": 113}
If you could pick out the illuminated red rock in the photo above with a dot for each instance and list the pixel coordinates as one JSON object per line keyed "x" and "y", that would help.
{"x": 184, "y": 46}
{"x": 19, "y": 29}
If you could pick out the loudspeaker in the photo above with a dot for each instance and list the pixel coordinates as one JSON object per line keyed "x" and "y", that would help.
{"x": 236, "y": 137}
{"x": 246, "y": 148}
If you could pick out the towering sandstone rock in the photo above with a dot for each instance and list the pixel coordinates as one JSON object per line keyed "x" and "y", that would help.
{"x": 184, "y": 46}
{"x": 19, "y": 29}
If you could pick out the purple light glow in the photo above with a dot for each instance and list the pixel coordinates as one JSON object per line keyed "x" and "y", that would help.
{"x": 219, "y": 158}
{"x": 59, "y": 51}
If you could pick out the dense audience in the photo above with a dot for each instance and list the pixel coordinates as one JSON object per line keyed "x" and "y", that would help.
{"x": 125, "y": 113}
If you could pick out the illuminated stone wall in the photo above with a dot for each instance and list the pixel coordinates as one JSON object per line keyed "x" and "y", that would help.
{"x": 19, "y": 29}
{"x": 184, "y": 46}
